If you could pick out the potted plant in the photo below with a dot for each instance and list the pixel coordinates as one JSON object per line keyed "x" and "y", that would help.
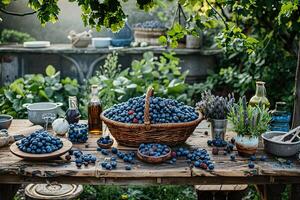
{"x": 249, "y": 123}
{"x": 215, "y": 110}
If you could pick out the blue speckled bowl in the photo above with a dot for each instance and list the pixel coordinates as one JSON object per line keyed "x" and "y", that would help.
{"x": 121, "y": 42}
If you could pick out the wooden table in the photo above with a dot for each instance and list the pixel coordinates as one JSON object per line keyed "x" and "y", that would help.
{"x": 14, "y": 170}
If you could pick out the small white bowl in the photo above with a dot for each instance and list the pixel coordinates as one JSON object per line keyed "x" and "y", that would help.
{"x": 101, "y": 42}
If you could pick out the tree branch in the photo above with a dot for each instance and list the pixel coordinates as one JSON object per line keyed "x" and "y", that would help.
{"x": 223, "y": 11}
{"x": 17, "y": 14}
{"x": 225, "y": 23}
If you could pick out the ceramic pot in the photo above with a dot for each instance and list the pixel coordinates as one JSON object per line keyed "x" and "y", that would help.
{"x": 218, "y": 128}
{"x": 246, "y": 145}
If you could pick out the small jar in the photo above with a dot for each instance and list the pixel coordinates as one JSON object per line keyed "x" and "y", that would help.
{"x": 280, "y": 118}
{"x": 78, "y": 133}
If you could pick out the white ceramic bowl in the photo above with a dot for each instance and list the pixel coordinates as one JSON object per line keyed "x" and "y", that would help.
{"x": 101, "y": 42}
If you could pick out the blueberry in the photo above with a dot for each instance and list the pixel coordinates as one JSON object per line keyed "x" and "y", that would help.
{"x": 253, "y": 158}
{"x": 113, "y": 164}
{"x": 99, "y": 148}
{"x": 78, "y": 165}
{"x": 251, "y": 165}
{"x": 114, "y": 150}
{"x": 263, "y": 158}
{"x": 108, "y": 166}
{"x": 197, "y": 164}
{"x": 104, "y": 164}
{"x": 209, "y": 143}
{"x": 232, "y": 157}
{"x": 104, "y": 151}
{"x": 289, "y": 162}
{"x": 211, "y": 166}
{"x": 128, "y": 167}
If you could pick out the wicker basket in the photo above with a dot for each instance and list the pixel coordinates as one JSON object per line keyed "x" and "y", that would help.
{"x": 135, "y": 134}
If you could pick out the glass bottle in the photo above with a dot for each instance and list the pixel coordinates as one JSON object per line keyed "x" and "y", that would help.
{"x": 73, "y": 114}
{"x": 260, "y": 95}
{"x": 94, "y": 112}
{"x": 280, "y": 118}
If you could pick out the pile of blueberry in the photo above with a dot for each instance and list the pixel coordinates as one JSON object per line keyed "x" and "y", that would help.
{"x": 40, "y": 142}
{"x": 105, "y": 140}
{"x": 197, "y": 157}
{"x": 78, "y": 133}
{"x": 155, "y": 150}
{"x": 128, "y": 158}
{"x": 162, "y": 110}
{"x": 153, "y": 24}
{"x": 81, "y": 158}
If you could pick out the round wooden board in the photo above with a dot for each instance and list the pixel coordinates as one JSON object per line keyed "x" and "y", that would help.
{"x": 67, "y": 145}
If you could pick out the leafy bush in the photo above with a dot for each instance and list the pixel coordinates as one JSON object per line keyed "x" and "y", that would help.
{"x": 138, "y": 193}
{"x": 36, "y": 88}
{"x": 163, "y": 73}
{"x": 13, "y": 36}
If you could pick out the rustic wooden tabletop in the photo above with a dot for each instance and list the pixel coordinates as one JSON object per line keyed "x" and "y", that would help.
{"x": 14, "y": 170}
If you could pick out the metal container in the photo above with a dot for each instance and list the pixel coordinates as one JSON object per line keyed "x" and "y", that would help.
{"x": 37, "y": 110}
{"x": 218, "y": 128}
{"x": 5, "y": 121}
{"x": 283, "y": 149}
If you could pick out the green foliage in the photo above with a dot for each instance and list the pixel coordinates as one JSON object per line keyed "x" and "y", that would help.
{"x": 36, "y": 88}
{"x": 162, "y": 73}
{"x": 248, "y": 120}
{"x": 138, "y": 193}
{"x": 13, "y": 36}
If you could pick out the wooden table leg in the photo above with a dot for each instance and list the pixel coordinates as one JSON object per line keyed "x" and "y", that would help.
{"x": 271, "y": 191}
{"x": 8, "y": 191}
{"x": 295, "y": 193}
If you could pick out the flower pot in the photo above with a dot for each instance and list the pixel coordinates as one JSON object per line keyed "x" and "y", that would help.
{"x": 218, "y": 128}
{"x": 246, "y": 145}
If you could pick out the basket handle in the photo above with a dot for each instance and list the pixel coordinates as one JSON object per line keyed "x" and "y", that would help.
{"x": 149, "y": 93}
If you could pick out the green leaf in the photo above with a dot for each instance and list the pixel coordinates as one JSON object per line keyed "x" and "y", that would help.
{"x": 50, "y": 70}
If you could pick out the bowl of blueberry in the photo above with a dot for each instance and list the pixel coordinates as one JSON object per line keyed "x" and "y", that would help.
{"x": 154, "y": 153}
{"x": 40, "y": 145}
{"x": 78, "y": 133}
{"x": 105, "y": 142}
{"x": 149, "y": 119}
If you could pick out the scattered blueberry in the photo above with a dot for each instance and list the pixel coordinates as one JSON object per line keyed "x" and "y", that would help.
{"x": 251, "y": 165}
{"x": 209, "y": 143}
{"x": 113, "y": 164}
{"x": 104, "y": 151}
{"x": 263, "y": 158}
{"x": 108, "y": 166}
{"x": 128, "y": 167}
{"x": 232, "y": 157}
{"x": 253, "y": 158}
{"x": 289, "y": 162}
{"x": 211, "y": 166}
{"x": 114, "y": 150}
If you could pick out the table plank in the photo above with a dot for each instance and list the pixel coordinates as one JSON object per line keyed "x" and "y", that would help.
{"x": 226, "y": 171}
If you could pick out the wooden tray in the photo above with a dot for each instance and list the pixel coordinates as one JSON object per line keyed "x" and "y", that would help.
{"x": 67, "y": 145}
{"x": 153, "y": 159}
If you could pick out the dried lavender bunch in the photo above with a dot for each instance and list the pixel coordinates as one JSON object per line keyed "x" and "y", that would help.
{"x": 215, "y": 107}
